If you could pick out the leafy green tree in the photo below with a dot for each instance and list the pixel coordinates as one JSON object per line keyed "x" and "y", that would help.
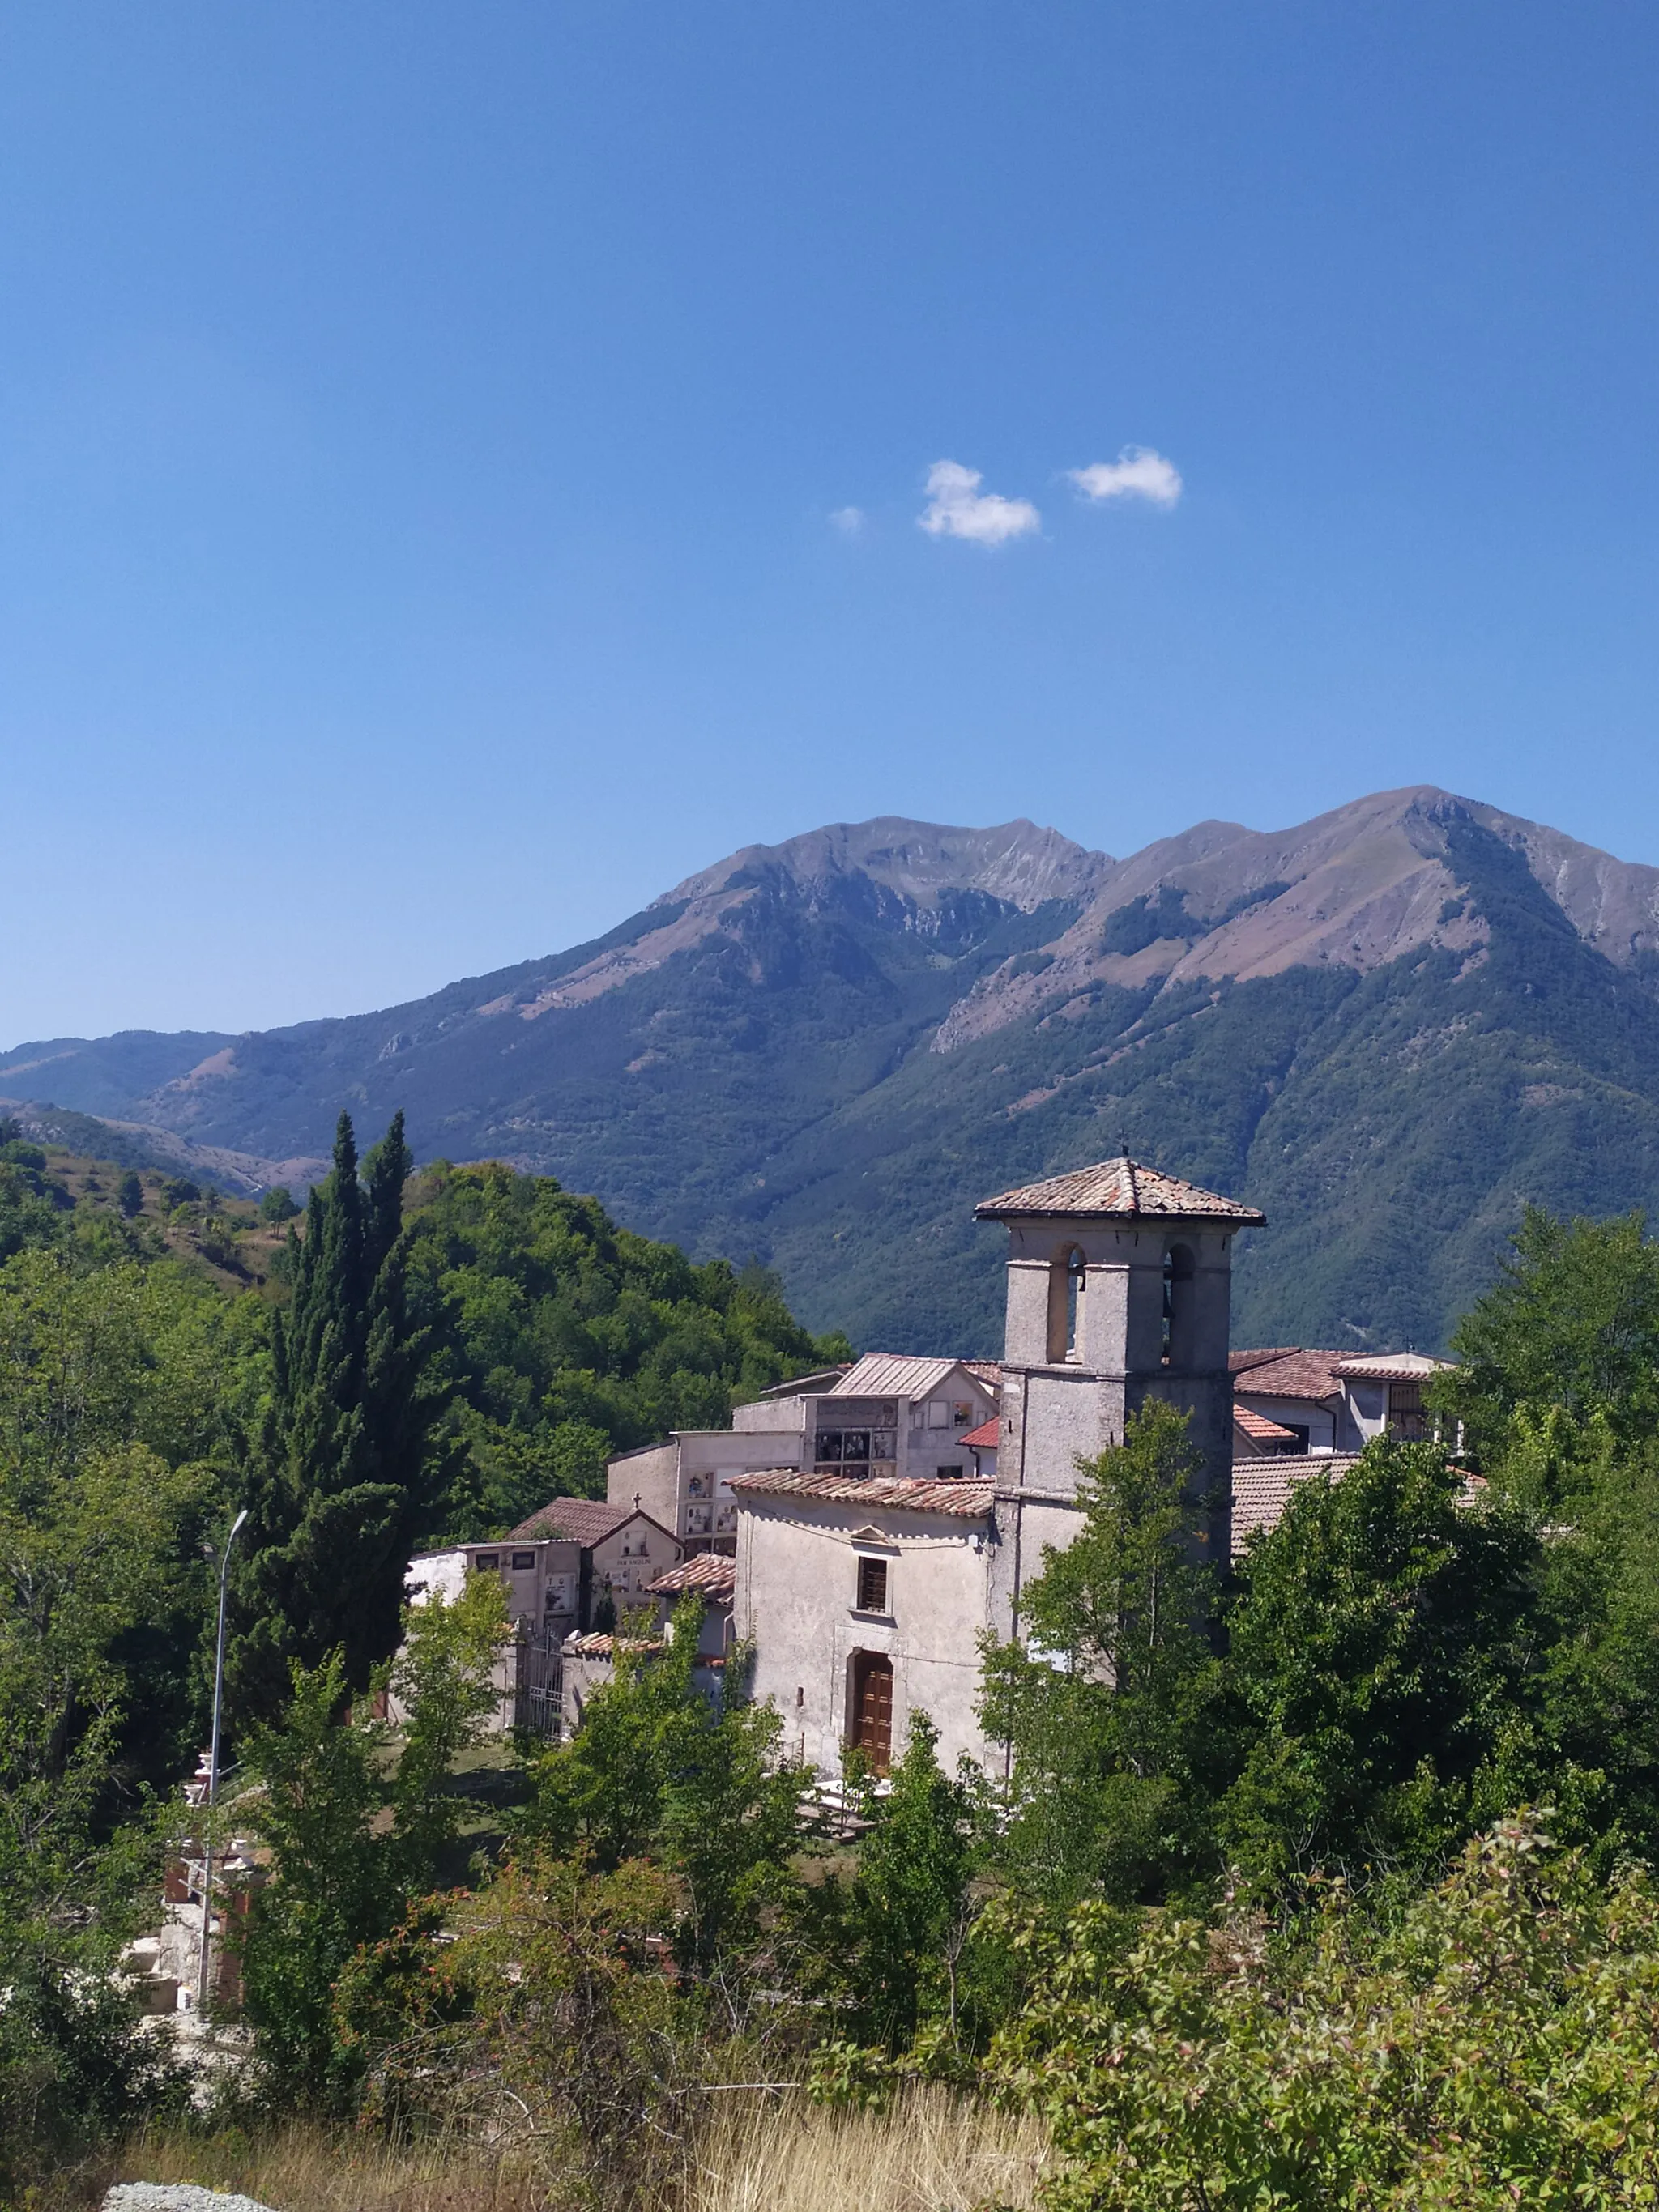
{"x": 321, "y": 1791}
{"x": 122, "y": 1390}
{"x": 661, "y": 1768}
{"x": 345, "y": 1872}
{"x": 1385, "y": 1644}
{"x": 909, "y": 1912}
{"x": 1107, "y": 1704}
{"x": 570, "y": 1339}
{"x": 1490, "y": 2046}
{"x": 443, "y": 1683}
{"x": 344, "y": 1482}
{"x": 1572, "y": 1323}
{"x": 277, "y": 1204}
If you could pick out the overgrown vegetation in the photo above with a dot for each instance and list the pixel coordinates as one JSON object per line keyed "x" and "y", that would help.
{"x": 1323, "y": 1884}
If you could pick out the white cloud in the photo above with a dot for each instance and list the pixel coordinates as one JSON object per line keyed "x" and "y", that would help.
{"x": 1137, "y": 473}
{"x": 956, "y": 507}
{"x": 849, "y": 520}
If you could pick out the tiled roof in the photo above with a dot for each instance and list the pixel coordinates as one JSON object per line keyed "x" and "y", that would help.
{"x": 895, "y": 1375}
{"x": 970, "y": 1500}
{"x": 1393, "y": 1367}
{"x": 598, "y": 1644}
{"x": 1299, "y": 1374}
{"x": 984, "y": 1438}
{"x": 1122, "y": 1188}
{"x": 710, "y": 1571}
{"x": 1259, "y": 1428}
{"x": 989, "y": 1372}
{"x": 588, "y": 1520}
{"x": 1238, "y": 1361}
{"x": 1263, "y": 1487}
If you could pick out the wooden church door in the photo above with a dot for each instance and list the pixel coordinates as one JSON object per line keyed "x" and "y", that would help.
{"x": 873, "y": 1708}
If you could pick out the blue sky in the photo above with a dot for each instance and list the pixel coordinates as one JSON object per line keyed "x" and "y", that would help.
{"x": 427, "y": 432}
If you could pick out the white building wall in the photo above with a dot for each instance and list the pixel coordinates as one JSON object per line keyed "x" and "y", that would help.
{"x": 797, "y": 1602}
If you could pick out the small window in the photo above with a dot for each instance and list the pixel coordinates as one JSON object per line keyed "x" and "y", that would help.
{"x": 938, "y": 1413}
{"x": 949, "y": 1474}
{"x": 522, "y": 1559}
{"x": 962, "y": 1414}
{"x": 486, "y": 1562}
{"x": 873, "y": 1586}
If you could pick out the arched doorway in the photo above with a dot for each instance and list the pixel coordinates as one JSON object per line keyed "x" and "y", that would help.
{"x": 869, "y": 1701}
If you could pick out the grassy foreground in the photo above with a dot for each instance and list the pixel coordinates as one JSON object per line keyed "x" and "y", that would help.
{"x": 929, "y": 2153}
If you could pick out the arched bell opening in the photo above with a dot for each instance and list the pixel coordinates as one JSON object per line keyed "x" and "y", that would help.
{"x": 1180, "y": 1293}
{"x": 1068, "y": 1278}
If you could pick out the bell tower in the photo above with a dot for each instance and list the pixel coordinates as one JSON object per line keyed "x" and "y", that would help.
{"x": 1120, "y": 1282}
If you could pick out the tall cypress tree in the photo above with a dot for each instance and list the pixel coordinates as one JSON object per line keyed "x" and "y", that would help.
{"x": 343, "y": 1477}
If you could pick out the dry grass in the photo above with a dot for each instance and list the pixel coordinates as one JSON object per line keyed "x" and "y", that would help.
{"x": 930, "y": 2154}
{"x": 308, "y": 2168}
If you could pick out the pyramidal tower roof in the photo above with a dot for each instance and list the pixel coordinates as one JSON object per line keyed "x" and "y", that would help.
{"x": 1119, "y": 1189}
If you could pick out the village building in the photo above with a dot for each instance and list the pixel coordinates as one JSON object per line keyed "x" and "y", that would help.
{"x": 1293, "y": 1399}
{"x": 864, "y": 1527}
{"x": 590, "y": 1660}
{"x": 888, "y": 1415}
{"x": 865, "y": 1596}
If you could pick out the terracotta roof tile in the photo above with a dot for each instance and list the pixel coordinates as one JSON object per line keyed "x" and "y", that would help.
{"x": 1238, "y": 1361}
{"x": 597, "y": 1644}
{"x": 1259, "y": 1428}
{"x": 1393, "y": 1367}
{"x": 984, "y": 1438}
{"x": 1263, "y": 1487}
{"x": 1121, "y": 1188}
{"x": 709, "y": 1571}
{"x": 588, "y": 1520}
{"x": 956, "y": 1495}
{"x": 1301, "y": 1374}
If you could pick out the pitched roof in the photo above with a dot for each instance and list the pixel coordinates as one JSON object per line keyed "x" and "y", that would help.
{"x": 588, "y": 1520}
{"x": 599, "y": 1643}
{"x": 896, "y": 1375}
{"x": 800, "y": 1386}
{"x": 955, "y": 1495}
{"x": 1291, "y": 1374}
{"x": 984, "y": 1438}
{"x": 711, "y": 1572}
{"x": 1263, "y": 1487}
{"x": 1238, "y": 1361}
{"x": 1258, "y": 1427}
{"x": 1123, "y": 1189}
{"x": 1393, "y": 1367}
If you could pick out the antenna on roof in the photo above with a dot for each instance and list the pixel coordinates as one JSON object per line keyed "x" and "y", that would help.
{"x": 1123, "y": 1142}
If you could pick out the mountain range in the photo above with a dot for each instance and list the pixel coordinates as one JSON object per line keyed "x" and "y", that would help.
{"x": 1390, "y": 1027}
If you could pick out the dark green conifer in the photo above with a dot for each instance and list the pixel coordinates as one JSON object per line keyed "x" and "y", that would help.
{"x": 343, "y": 1479}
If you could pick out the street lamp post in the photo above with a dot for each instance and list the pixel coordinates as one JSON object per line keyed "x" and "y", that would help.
{"x": 213, "y": 1773}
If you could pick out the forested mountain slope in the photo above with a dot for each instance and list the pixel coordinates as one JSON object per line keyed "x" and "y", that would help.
{"x": 1391, "y": 1025}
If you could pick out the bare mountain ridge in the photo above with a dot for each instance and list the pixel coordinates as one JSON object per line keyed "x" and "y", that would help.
{"x": 1358, "y": 887}
{"x": 1391, "y": 1025}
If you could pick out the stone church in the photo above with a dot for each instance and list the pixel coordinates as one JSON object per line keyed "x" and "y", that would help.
{"x": 865, "y": 1595}
{"x": 864, "y": 1527}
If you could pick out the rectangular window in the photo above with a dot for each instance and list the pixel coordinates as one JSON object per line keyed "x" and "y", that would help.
{"x": 522, "y": 1559}
{"x": 962, "y": 1414}
{"x": 873, "y": 1586}
{"x": 938, "y": 1413}
{"x": 486, "y": 1562}
{"x": 948, "y": 1473}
